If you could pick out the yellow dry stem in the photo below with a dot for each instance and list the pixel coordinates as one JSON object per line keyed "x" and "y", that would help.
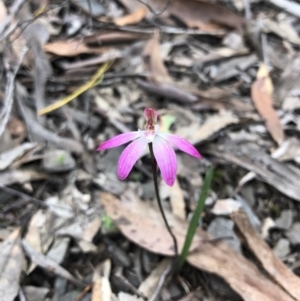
{"x": 95, "y": 80}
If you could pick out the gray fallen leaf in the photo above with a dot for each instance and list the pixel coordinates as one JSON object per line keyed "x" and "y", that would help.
{"x": 282, "y": 29}
{"x": 294, "y": 234}
{"x": 282, "y": 248}
{"x": 283, "y": 177}
{"x": 223, "y": 227}
{"x": 60, "y": 287}
{"x": 48, "y": 264}
{"x": 59, "y": 208}
{"x": 35, "y": 293}
{"x": 91, "y": 7}
{"x": 58, "y": 249}
{"x": 127, "y": 297}
{"x": 253, "y": 218}
{"x": 58, "y": 161}
{"x": 8, "y": 157}
{"x": 233, "y": 67}
{"x": 285, "y": 220}
{"x": 11, "y": 262}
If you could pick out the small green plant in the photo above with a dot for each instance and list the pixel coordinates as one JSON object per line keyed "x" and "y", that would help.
{"x": 107, "y": 223}
{"x": 61, "y": 158}
{"x": 196, "y": 216}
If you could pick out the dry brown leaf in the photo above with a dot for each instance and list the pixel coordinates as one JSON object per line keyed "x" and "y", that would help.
{"x": 242, "y": 275}
{"x": 270, "y": 262}
{"x": 156, "y": 65}
{"x": 261, "y": 95}
{"x": 11, "y": 263}
{"x": 218, "y": 258}
{"x": 148, "y": 233}
{"x": 133, "y": 18}
{"x": 71, "y": 48}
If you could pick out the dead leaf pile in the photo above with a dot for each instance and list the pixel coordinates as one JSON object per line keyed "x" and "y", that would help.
{"x": 223, "y": 75}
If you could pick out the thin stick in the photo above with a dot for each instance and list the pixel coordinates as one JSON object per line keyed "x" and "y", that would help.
{"x": 155, "y": 177}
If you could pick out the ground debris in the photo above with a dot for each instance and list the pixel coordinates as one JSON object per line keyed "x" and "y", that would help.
{"x": 222, "y": 74}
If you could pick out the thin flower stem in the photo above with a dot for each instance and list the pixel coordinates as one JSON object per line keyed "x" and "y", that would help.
{"x": 155, "y": 179}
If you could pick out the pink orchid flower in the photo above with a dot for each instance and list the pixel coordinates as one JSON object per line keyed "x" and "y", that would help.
{"x": 162, "y": 148}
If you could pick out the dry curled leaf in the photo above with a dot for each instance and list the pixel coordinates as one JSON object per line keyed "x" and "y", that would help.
{"x": 261, "y": 91}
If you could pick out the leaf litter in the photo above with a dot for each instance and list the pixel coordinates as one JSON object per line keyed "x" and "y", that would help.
{"x": 228, "y": 86}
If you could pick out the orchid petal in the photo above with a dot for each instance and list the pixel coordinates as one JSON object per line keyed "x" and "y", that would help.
{"x": 119, "y": 140}
{"x": 130, "y": 155}
{"x": 150, "y": 115}
{"x": 181, "y": 144}
{"x": 166, "y": 159}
